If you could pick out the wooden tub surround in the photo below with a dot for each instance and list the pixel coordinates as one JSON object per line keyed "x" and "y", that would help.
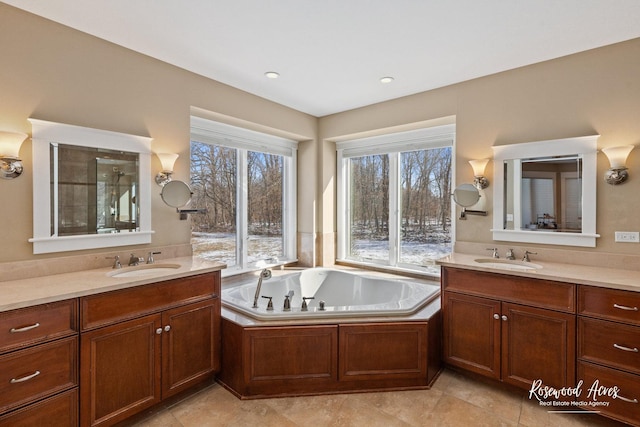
{"x": 289, "y": 359}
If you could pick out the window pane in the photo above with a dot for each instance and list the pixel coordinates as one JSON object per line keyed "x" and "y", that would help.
{"x": 425, "y": 207}
{"x": 369, "y": 221}
{"x": 213, "y": 182}
{"x": 264, "y": 182}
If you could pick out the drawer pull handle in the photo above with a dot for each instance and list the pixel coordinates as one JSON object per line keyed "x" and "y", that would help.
{"x": 624, "y": 307}
{"x": 621, "y": 347}
{"x": 23, "y": 379}
{"x": 24, "y": 328}
{"x": 627, "y": 399}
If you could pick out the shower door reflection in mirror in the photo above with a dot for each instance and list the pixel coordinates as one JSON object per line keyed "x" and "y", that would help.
{"x": 94, "y": 190}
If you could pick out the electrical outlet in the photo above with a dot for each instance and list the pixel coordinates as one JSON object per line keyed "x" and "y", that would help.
{"x": 628, "y": 236}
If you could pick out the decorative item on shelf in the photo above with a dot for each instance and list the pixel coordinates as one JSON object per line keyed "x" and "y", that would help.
{"x": 167, "y": 160}
{"x": 479, "y": 180}
{"x": 10, "y": 163}
{"x": 617, "y": 173}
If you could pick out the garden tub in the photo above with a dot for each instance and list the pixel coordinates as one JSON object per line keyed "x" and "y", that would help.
{"x": 342, "y": 293}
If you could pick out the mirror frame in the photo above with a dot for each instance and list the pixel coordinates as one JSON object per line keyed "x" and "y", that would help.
{"x": 586, "y": 148}
{"x": 44, "y": 133}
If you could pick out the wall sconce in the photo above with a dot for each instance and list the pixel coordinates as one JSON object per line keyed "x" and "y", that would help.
{"x": 617, "y": 173}
{"x": 479, "y": 180}
{"x": 167, "y": 160}
{"x": 10, "y": 163}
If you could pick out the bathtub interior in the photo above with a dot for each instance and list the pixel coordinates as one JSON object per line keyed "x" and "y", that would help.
{"x": 344, "y": 293}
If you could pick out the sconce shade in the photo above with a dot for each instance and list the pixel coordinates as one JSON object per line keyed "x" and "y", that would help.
{"x": 478, "y": 166}
{"x": 618, "y": 156}
{"x": 10, "y": 143}
{"x": 167, "y": 160}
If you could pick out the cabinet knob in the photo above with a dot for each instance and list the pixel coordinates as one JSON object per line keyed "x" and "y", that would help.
{"x": 496, "y": 316}
{"x": 504, "y": 317}
{"x": 159, "y": 331}
{"x": 167, "y": 328}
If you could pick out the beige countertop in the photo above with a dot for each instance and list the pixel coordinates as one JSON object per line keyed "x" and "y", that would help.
{"x": 572, "y": 273}
{"x": 39, "y": 290}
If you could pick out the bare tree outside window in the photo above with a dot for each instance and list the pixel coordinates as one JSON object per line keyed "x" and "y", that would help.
{"x": 214, "y": 183}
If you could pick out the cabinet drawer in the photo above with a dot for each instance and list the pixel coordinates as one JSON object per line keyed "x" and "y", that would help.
{"x": 612, "y": 304}
{"x": 609, "y": 343}
{"x": 58, "y": 411}
{"x": 107, "y": 308}
{"x": 37, "y": 372}
{"x": 626, "y": 407}
{"x": 32, "y": 325}
{"x": 535, "y": 292}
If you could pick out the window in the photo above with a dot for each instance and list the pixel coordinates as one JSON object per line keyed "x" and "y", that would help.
{"x": 246, "y": 182}
{"x": 394, "y": 204}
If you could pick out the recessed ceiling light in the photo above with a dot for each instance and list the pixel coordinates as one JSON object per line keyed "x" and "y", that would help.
{"x": 272, "y": 75}
{"x": 386, "y": 79}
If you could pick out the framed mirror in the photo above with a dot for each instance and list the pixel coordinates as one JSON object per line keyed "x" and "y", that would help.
{"x": 89, "y": 188}
{"x": 548, "y": 198}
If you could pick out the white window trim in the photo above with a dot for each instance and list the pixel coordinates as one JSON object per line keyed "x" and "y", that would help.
{"x": 393, "y": 144}
{"x": 216, "y": 133}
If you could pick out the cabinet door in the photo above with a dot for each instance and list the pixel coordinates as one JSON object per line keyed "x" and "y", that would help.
{"x": 538, "y": 344}
{"x": 190, "y": 345}
{"x": 472, "y": 333}
{"x": 120, "y": 370}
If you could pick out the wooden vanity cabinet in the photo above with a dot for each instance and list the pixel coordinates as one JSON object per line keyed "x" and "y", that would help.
{"x": 39, "y": 365}
{"x": 509, "y": 328}
{"x": 609, "y": 347}
{"x": 144, "y": 344}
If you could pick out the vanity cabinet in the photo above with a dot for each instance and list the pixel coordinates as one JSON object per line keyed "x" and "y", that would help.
{"x": 144, "y": 344}
{"x": 609, "y": 347}
{"x": 509, "y": 328}
{"x": 39, "y": 365}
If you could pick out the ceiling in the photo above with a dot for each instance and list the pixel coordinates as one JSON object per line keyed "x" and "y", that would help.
{"x": 331, "y": 54}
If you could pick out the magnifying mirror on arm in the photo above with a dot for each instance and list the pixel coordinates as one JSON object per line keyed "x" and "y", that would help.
{"x": 467, "y": 195}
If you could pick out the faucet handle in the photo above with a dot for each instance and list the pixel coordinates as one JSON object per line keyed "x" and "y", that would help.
{"x": 269, "y": 304}
{"x": 150, "y": 259}
{"x": 495, "y": 252}
{"x": 304, "y": 303}
{"x": 526, "y": 255}
{"x": 116, "y": 261}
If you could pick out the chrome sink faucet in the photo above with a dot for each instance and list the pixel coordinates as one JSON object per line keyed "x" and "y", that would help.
{"x": 495, "y": 252}
{"x": 510, "y": 255}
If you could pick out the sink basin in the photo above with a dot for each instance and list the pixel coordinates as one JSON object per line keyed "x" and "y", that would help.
{"x": 506, "y": 264}
{"x": 143, "y": 270}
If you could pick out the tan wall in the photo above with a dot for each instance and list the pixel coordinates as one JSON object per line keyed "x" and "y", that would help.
{"x": 55, "y": 73}
{"x": 594, "y": 92}
{"x": 52, "y": 72}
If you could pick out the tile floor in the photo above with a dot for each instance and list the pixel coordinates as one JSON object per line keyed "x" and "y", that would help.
{"x": 454, "y": 400}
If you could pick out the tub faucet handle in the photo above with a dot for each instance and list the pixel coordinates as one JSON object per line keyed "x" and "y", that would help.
{"x": 304, "y": 303}
{"x": 269, "y": 304}
{"x": 321, "y": 305}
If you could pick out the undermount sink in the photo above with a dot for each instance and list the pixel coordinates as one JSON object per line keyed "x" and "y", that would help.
{"x": 506, "y": 264}
{"x": 143, "y": 270}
